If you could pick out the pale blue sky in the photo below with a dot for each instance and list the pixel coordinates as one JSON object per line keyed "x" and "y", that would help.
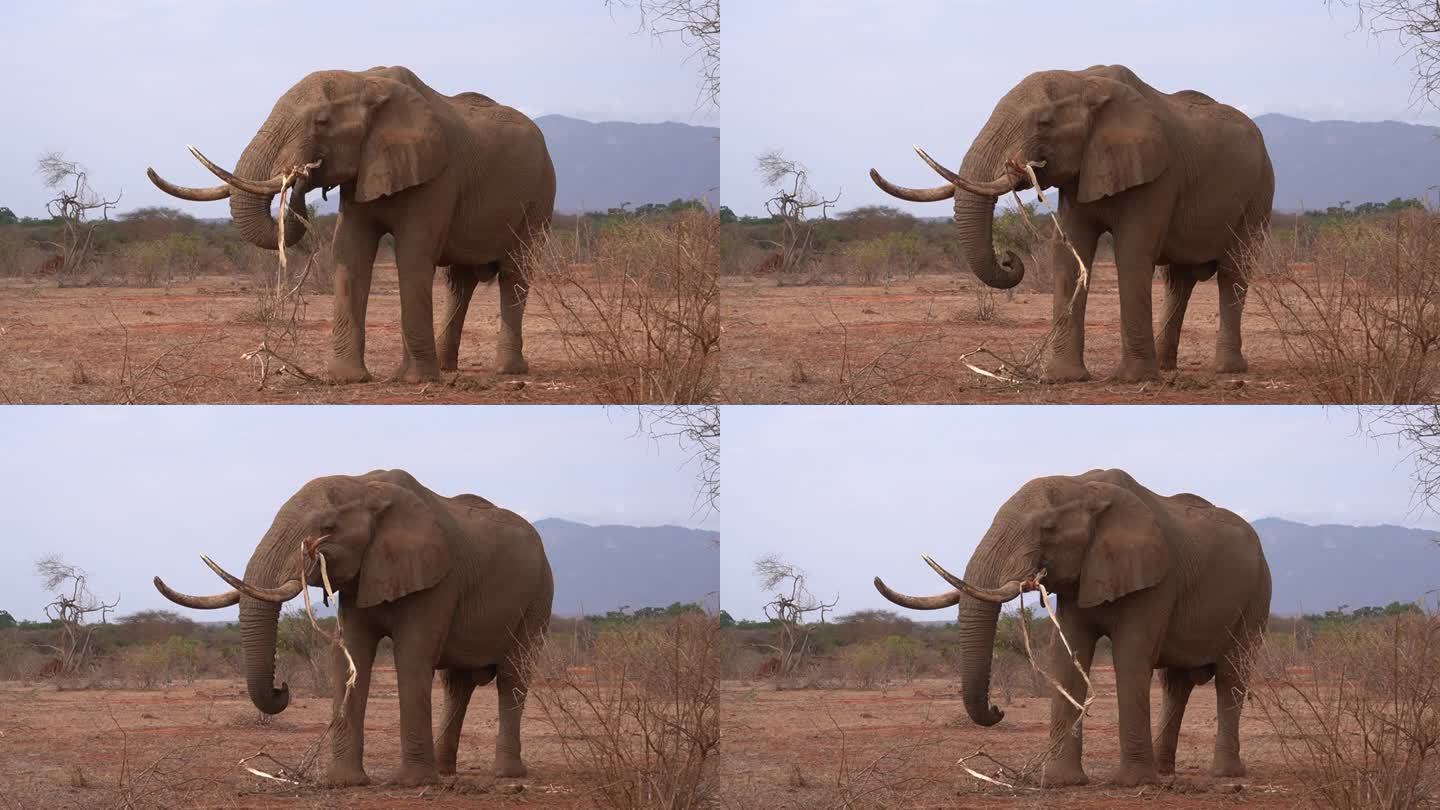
{"x": 130, "y": 493}
{"x": 851, "y": 493}
{"x": 119, "y": 86}
{"x": 844, "y": 85}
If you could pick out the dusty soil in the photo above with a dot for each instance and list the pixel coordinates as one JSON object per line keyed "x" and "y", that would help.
{"x": 179, "y": 747}
{"x": 904, "y": 343}
{"x": 183, "y": 344}
{"x": 898, "y": 748}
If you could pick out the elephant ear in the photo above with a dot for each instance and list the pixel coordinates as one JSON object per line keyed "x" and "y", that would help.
{"x": 408, "y": 552}
{"x": 404, "y": 144}
{"x": 1127, "y": 551}
{"x": 1126, "y": 145}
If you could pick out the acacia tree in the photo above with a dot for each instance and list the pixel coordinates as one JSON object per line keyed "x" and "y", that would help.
{"x": 790, "y": 609}
{"x": 72, "y": 608}
{"x": 792, "y": 205}
{"x": 75, "y": 205}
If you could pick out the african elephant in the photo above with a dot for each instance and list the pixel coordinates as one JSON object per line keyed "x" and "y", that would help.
{"x": 1175, "y": 582}
{"x": 459, "y": 181}
{"x": 1177, "y": 178}
{"x": 458, "y": 584}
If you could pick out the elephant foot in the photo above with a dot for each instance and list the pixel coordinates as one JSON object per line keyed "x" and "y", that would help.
{"x": 411, "y": 775}
{"x": 1165, "y": 766}
{"x": 1066, "y": 371}
{"x": 1230, "y": 363}
{"x": 344, "y": 372}
{"x": 1227, "y": 766}
{"x": 1132, "y": 371}
{"x": 1064, "y": 774}
{"x": 510, "y": 768}
{"x": 1169, "y": 358}
{"x": 445, "y": 763}
{"x": 513, "y": 364}
{"x": 346, "y": 776}
{"x": 413, "y": 373}
{"x": 1130, "y": 775}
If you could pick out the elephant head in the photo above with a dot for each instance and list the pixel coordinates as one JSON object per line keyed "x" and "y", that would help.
{"x": 373, "y": 133}
{"x": 1090, "y": 541}
{"x": 1091, "y": 134}
{"x": 379, "y": 542}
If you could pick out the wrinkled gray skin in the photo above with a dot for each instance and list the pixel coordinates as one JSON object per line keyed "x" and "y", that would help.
{"x": 458, "y": 585}
{"x": 1177, "y": 178}
{"x": 460, "y": 181}
{"x": 1176, "y": 584}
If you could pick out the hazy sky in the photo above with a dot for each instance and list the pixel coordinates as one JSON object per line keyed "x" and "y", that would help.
{"x": 851, "y": 493}
{"x": 129, "y": 493}
{"x": 844, "y": 85}
{"x": 119, "y": 86}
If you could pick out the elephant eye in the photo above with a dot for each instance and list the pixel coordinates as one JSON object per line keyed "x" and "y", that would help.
{"x": 322, "y": 119}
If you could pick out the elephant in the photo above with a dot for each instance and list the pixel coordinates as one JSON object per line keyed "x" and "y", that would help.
{"x": 458, "y": 584}
{"x": 1175, "y": 582}
{"x": 459, "y": 181}
{"x": 1178, "y": 179}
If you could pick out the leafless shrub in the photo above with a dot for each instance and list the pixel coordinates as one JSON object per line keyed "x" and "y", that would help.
{"x": 177, "y": 778}
{"x": 75, "y": 608}
{"x": 985, "y": 304}
{"x": 790, "y": 607}
{"x": 792, "y": 205}
{"x": 888, "y": 779}
{"x": 643, "y": 719}
{"x": 1359, "y": 311}
{"x": 641, "y": 323}
{"x": 1363, "y": 723}
{"x": 75, "y": 206}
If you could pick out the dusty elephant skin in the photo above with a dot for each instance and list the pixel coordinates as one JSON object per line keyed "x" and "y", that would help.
{"x": 1176, "y": 584}
{"x": 1177, "y": 178}
{"x": 457, "y": 584}
{"x": 460, "y": 181}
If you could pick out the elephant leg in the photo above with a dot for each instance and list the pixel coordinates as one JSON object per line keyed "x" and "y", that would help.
{"x": 461, "y": 281}
{"x": 1228, "y": 357}
{"x": 1067, "y": 354}
{"x": 1134, "y": 669}
{"x": 1135, "y": 253}
{"x": 510, "y": 345}
{"x": 459, "y": 686}
{"x": 1066, "y": 724}
{"x": 1179, "y": 283}
{"x": 511, "y": 689}
{"x": 416, "y": 266}
{"x": 355, "y": 246}
{"x": 414, "y": 675}
{"x": 1178, "y": 684}
{"x": 1230, "y": 690}
{"x": 347, "y": 741}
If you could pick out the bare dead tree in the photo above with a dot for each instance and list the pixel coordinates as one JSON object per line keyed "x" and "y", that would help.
{"x": 72, "y": 608}
{"x": 1418, "y": 428}
{"x": 1415, "y": 24}
{"x": 790, "y": 609}
{"x": 75, "y": 205}
{"x": 697, "y": 23}
{"x": 697, "y": 429}
{"x": 792, "y": 205}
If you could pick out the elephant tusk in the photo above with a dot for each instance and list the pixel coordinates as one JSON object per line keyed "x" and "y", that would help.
{"x": 1000, "y": 595}
{"x": 218, "y": 600}
{"x": 940, "y": 170}
{"x": 935, "y": 194}
{"x": 284, "y": 593}
{"x": 1003, "y": 184}
{"x": 935, "y": 602}
{"x": 210, "y": 194}
{"x": 259, "y": 187}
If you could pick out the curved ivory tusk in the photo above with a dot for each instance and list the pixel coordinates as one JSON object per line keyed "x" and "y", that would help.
{"x": 284, "y": 593}
{"x": 260, "y": 187}
{"x": 935, "y": 194}
{"x": 952, "y": 177}
{"x": 210, "y": 194}
{"x": 218, "y": 600}
{"x": 1004, "y": 593}
{"x": 1003, "y": 184}
{"x": 936, "y": 602}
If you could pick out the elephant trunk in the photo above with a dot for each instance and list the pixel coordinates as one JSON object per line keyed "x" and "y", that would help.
{"x": 978, "y": 621}
{"x": 274, "y": 561}
{"x": 261, "y": 160}
{"x": 975, "y": 213}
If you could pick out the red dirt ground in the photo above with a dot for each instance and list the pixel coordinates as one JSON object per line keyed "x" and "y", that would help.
{"x": 182, "y": 344}
{"x": 902, "y": 343}
{"x": 897, "y": 748}
{"x": 63, "y": 749}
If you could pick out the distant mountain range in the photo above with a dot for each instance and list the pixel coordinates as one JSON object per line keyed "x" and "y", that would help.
{"x": 1320, "y": 568}
{"x": 1323, "y": 163}
{"x": 604, "y": 568}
